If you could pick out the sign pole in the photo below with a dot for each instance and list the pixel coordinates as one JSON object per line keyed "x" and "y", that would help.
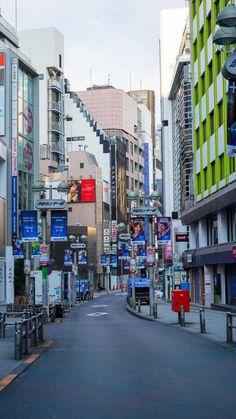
{"x": 44, "y": 267}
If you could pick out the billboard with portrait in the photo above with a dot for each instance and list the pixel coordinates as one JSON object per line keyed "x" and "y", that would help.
{"x": 137, "y": 230}
{"x": 82, "y": 191}
{"x": 163, "y": 230}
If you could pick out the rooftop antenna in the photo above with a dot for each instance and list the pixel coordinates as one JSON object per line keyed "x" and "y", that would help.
{"x": 109, "y": 79}
{"x": 140, "y": 85}
{"x": 130, "y": 84}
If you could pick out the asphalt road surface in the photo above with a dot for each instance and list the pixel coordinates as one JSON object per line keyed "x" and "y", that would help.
{"x": 106, "y": 363}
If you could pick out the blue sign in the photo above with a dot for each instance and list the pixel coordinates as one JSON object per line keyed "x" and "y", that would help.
{"x": 17, "y": 246}
{"x": 113, "y": 260}
{"x": 29, "y": 226}
{"x": 68, "y": 254}
{"x": 58, "y": 225}
{"x": 14, "y": 205}
{"x": 103, "y": 260}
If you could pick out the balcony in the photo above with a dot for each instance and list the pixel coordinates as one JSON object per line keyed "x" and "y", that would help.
{"x": 55, "y": 148}
{"x": 55, "y": 127}
{"x": 55, "y": 106}
{"x": 55, "y": 85}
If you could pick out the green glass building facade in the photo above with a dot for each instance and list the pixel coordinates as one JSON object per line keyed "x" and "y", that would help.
{"x": 212, "y": 220}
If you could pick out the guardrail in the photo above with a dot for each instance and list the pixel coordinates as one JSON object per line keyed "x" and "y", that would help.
{"x": 29, "y": 327}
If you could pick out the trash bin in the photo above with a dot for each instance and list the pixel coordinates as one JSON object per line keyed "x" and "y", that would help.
{"x": 59, "y": 311}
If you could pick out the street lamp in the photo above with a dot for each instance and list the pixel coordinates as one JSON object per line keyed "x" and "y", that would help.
{"x": 77, "y": 242}
{"x": 126, "y": 236}
{"x": 39, "y": 187}
{"x": 132, "y": 196}
{"x": 147, "y": 212}
{"x": 226, "y": 35}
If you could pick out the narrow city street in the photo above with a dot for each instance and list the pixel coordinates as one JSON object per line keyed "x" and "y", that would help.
{"x": 106, "y": 363}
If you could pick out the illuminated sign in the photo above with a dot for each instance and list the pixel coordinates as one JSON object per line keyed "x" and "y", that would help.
{"x": 82, "y": 191}
{"x": 181, "y": 237}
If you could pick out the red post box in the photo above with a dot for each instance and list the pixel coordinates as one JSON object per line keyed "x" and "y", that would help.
{"x": 180, "y": 298}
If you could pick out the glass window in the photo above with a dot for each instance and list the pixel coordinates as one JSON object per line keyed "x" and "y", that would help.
{"x": 26, "y": 87}
{"x": 20, "y": 84}
{"x": 31, "y": 91}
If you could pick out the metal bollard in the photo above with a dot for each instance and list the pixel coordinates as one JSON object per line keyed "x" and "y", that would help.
{"x": 155, "y": 310}
{"x": 202, "y": 320}
{"x": 182, "y": 317}
{"x": 229, "y": 327}
{"x": 25, "y": 336}
{"x": 139, "y": 306}
{"x": 33, "y": 332}
{"x": 18, "y": 340}
{"x": 40, "y": 327}
{"x": 2, "y": 325}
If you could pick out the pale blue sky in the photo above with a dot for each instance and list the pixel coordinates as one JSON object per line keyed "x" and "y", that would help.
{"x": 102, "y": 37}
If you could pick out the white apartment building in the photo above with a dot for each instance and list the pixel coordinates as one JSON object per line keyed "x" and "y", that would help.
{"x": 169, "y": 48}
{"x": 45, "y": 48}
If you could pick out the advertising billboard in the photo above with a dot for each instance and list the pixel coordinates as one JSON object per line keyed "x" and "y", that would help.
{"x": 29, "y": 226}
{"x": 163, "y": 230}
{"x": 137, "y": 230}
{"x": 231, "y": 122}
{"x": 2, "y": 93}
{"x": 58, "y": 225}
{"x": 82, "y": 191}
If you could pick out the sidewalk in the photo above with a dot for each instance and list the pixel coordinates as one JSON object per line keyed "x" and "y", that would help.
{"x": 11, "y": 368}
{"x": 215, "y": 321}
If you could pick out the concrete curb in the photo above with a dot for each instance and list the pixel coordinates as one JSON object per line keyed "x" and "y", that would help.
{"x": 26, "y": 362}
{"x": 137, "y": 314}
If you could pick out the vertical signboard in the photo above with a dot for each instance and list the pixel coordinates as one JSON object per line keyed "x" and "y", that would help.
{"x": 231, "y": 121}
{"x": 29, "y": 226}
{"x": 2, "y": 93}
{"x": 146, "y": 183}
{"x": 163, "y": 230}
{"x": 58, "y": 225}
{"x": 113, "y": 191}
{"x": 14, "y": 113}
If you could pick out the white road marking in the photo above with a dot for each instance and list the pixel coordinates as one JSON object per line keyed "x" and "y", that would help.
{"x": 101, "y": 305}
{"x": 96, "y": 314}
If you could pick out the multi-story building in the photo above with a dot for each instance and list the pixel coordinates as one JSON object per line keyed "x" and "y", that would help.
{"x": 212, "y": 219}
{"x": 45, "y": 48}
{"x": 169, "y": 50}
{"x": 147, "y": 98}
{"x": 19, "y": 150}
{"x": 118, "y": 115}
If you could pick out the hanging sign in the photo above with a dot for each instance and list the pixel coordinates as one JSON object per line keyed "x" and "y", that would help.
{"x": 58, "y": 226}
{"x": 29, "y": 226}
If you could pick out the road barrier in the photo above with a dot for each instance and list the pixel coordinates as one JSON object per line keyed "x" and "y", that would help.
{"x": 28, "y": 329}
{"x": 229, "y": 326}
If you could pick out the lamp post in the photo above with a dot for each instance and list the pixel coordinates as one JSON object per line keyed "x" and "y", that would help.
{"x": 147, "y": 211}
{"x": 77, "y": 242}
{"x": 123, "y": 236}
{"x": 44, "y": 203}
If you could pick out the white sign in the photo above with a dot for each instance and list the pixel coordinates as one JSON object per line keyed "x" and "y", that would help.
{"x": 145, "y": 211}
{"x": 124, "y": 236}
{"x": 78, "y": 245}
{"x": 50, "y": 204}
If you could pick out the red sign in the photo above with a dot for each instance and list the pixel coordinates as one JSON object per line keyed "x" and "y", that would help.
{"x": 88, "y": 190}
{"x": 181, "y": 237}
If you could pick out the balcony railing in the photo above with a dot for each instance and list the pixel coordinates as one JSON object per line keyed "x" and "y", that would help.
{"x": 54, "y": 84}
